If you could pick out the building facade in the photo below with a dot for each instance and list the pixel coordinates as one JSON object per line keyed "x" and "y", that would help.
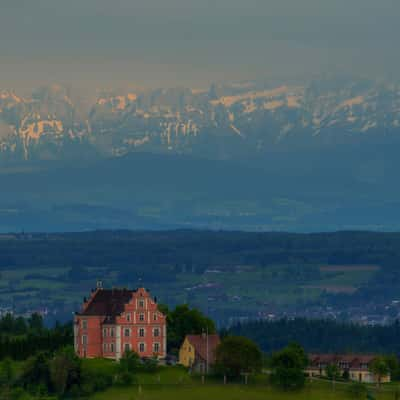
{"x": 357, "y": 366}
{"x": 197, "y": 352}
{"x": 113, "y": 321}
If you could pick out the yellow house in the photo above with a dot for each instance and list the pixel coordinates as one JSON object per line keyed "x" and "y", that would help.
{"x": 198, "y": 352}
{"x": 186, "y": 353}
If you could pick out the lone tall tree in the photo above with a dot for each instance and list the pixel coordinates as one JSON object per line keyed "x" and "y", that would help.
{"x": 236, "y": 355}
{"x": 379, "y": 368}
{"x": 288, "y": 367}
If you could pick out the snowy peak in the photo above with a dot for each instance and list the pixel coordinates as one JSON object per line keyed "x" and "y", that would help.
{"x": 222, "y": 121}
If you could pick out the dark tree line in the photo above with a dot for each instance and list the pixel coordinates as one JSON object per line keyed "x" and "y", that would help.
{"x": 322, "y": 336}
{"x": 159, "y": 256}
{"x": 20, "y": 338}
{"x": 197, "y": 249}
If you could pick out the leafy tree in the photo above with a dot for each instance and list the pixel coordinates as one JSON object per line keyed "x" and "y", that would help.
{"x": 236, "y": 355}
{"x": 183, "y": 321}
{"x": 36, "y": 323}
{"x": 36, "y": 372}
{"x": 150, "y": 365}
{"x": 332, "y": 372}
{"x": 394, "y": 367}
{"x": 7, "y": 373}
{"x": 128, "y": 365}
{"x": 65, "y": 370}
{"x": 7, "y": 323}
{"x": 346, "y": 375}
{"x": 7, "y": 377}
{"x": 19, "y": 326}
{"x": 20, "y": 338}
{"x": 288, "y": 367}
{"x": 379, "y": 368}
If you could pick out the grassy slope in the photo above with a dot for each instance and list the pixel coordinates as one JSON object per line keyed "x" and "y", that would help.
{"x": 229, "y": 392}
{"x": 174, "y": 383}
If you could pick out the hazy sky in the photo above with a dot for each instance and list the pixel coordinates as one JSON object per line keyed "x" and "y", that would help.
{"x": 98, "y": 43}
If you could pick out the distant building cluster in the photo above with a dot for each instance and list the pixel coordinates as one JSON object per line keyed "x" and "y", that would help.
{"x": 356, "y": 366}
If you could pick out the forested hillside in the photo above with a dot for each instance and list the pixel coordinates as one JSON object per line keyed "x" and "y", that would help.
{"x": 322, "y": 336}
{"x": 229, "y": 275}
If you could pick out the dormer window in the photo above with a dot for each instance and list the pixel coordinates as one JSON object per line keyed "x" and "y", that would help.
{"x": 141, "y": 303}
{"x": 141, "y": 317}
{"x": 155, "y": 317}
{"x": 128, "y": 317}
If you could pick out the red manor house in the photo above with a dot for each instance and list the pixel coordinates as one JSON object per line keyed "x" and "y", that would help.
{"x": 113, "y": 321}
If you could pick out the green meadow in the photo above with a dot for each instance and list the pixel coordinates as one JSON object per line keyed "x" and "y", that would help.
{"x": 174, "y": 383}
{"x": 213, "y": 391}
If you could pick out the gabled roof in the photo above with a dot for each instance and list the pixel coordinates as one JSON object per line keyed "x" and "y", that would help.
{"x": 354, "y": 360}
{"x": 199, "y": 342}
{"x": 108, "y": 302}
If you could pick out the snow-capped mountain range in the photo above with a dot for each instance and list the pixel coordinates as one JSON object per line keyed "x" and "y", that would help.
{"x": 223, "y": 121}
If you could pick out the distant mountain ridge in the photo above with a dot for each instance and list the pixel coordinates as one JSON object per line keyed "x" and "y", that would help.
{"x": 222, "y": 122}
{"x": 317, "y": 157}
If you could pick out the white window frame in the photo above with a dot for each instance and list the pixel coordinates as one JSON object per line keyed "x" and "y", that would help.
{"x": 85, "y": 340}
{"x": 104, "y": 332}
{"x": 84, "y": 324}
{"x": 156, "y": 344}
{"x": 129, "y": 332}
{"x": 129, "y": 317}
{"x": 127, "y": 347}
{"x": 142, "y": 317}
{"x": 141, "y": 344}
{"x": 142, "y": 330}
{"x": 158, "y": 330}
{"x": 112, "y": 347}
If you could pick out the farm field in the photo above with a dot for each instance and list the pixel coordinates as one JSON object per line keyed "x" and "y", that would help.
{"x": 231, "y": 276}
{"x": 230, "y": 291}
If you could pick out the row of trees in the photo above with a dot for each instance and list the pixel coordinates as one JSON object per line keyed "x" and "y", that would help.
{"x": 321, "y": 336}
{"x": 10, "y": 325}
{"x": 20, "y": 338}
{"x": 63, "y": 373}
{"x": 237, "y": 355}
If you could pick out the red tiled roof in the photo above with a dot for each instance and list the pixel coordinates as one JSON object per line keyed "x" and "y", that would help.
{"x": 199, "y": 342}
{"x": 354, "y": 360}
{"x": 108, "y": 302}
